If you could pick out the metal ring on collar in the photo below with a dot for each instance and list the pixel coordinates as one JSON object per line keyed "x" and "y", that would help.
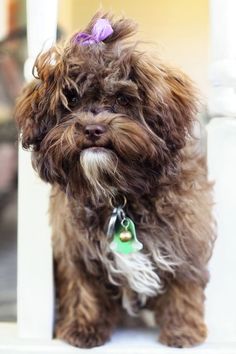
{"x": 112, "y": 202}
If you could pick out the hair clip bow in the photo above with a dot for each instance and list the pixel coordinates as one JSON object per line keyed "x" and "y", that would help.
{"x": 100, "y": 31}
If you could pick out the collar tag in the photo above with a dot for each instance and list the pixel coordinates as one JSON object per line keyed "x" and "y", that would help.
{"x": 123, "y": 233}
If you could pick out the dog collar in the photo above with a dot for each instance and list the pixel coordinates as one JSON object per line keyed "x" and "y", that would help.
{"x": 122, "y": 231}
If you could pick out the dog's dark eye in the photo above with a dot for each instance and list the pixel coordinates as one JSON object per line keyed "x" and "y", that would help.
{"x": 72, "y": 99}
{"x": 122, "y": 100}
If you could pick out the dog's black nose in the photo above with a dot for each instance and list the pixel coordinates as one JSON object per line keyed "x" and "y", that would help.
{"x": 94, "y": 131}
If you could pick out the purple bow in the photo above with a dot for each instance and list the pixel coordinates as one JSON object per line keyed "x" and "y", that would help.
{"x": 101, "y": 30}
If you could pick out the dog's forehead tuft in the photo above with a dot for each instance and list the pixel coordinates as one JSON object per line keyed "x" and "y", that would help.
{"x": 98, "y": 63}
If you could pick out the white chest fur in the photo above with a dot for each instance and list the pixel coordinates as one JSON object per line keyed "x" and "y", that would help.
{"x": 136, "y": 273}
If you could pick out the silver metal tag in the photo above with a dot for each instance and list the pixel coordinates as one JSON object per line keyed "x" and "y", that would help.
{"x": 117, "y": 214}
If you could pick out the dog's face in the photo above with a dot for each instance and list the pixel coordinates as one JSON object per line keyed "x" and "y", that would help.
{"x": 103, "y": 119}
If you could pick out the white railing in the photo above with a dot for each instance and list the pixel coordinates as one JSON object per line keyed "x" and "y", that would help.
{"x": 221, "y": 309}
{"x": 35, "y": 273}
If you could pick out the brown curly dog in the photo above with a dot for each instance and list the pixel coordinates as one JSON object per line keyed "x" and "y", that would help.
{"x": 110, "y": 127}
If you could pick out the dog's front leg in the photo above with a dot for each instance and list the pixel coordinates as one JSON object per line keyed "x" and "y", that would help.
{"x": 86, "y": 313}
{"x": 180, "y": 314}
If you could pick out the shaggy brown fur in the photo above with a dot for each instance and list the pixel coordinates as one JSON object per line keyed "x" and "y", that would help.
{"x": 106, "y": 121}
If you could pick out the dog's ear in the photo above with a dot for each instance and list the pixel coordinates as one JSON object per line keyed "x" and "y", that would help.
{"x": 27, "y": 116}
{"x": 169, "y": 101}
{"x": 38, "y": 101}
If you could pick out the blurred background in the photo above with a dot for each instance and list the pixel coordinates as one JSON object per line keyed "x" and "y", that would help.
{"x": 178, "y": 31}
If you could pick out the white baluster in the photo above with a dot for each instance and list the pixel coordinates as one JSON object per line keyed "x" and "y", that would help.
{"x": 221, "y": 314}
{"x": 35, "y": 272}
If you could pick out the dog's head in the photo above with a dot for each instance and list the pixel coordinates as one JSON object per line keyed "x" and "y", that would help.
{"x": 102, "y": 118}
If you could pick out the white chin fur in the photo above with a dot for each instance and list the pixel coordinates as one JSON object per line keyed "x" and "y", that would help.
{"x": 95, "y": 163}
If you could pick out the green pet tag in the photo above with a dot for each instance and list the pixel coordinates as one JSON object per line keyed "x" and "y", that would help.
{"x": 124, "y": 238}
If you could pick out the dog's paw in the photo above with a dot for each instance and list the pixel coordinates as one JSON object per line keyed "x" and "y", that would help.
{"x": 83, "y": 338}
{"x": 183, "y": 337}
